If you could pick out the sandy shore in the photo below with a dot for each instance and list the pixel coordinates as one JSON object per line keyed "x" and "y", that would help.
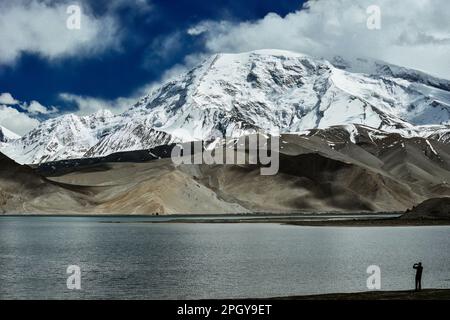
{"x": 427, "y": 294}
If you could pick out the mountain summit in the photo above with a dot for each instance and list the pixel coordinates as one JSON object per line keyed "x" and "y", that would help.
{"x": 234, "y": 94}
{"x": 7, "y": 135}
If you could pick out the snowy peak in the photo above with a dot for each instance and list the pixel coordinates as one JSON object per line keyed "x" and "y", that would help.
{"x": 276, "y": 89}
{"x": 234, "y": 94}
{"x": 67, "y": 136}
{"x": 382, "y": 69}
{"x": 133, "y": 135}
{"x": 7, "y": 135}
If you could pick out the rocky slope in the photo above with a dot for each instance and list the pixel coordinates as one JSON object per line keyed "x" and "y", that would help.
{"x": 234, "y": 94}
{"x": 338, "y": 169}
{"x": 22, "y": 190}
{"x": 436, "y": 208}
{"x": 68, "y": 136}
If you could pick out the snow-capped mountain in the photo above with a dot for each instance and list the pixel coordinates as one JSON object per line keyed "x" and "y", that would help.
{"x": 7, "y": 136}
{"x": 133, "y": 135}
{"x": 68, "y": 136}
{"x": 233, "y": 94}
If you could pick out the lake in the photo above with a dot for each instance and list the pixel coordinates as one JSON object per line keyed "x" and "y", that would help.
{"x": 132, "y": 260}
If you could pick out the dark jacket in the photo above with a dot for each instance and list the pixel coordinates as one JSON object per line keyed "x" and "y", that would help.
{"x": 419, "y": 269}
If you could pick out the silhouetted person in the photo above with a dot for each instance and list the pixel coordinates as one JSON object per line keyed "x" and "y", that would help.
{"x": 419, "y": 269}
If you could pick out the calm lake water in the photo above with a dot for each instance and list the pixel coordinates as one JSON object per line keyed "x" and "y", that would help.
{"x": 192, "y": 261}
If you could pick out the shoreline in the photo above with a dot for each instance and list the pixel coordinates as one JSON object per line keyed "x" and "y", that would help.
{"x": 374, "y": 222}
{"x": 391, "y": 222}
{"x": 425, "y": 294}
{"x": 311, "y": 220}
{"x": 396, "y": 222}
{"x": 181, "y": 215}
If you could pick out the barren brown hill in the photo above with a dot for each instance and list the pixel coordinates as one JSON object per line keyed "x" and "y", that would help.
{"x": 324, "y": 171}
{"x": 24, "y": 191}
{"x": 437, "y": 208}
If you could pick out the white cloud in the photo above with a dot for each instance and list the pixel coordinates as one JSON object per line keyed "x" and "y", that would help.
{"x": 200, "y": 28}
{"x": 21, "y": 119}
{"x": 7, "y": 98}
{"x": 162, "y": 48}
{"x": 89, "y": 105}
{"x": 16, "y": 121}
{"x": 36, "y": 108}
{"x": 414, "y": 33}
{"x": 189, "y": 62}
{"x": 40, "y": 27}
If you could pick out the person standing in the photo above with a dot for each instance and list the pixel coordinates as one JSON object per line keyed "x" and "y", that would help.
{"x": 419, "y": 270}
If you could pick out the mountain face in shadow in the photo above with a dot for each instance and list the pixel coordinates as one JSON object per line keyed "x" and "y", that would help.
{"x": 339, "y": 169}
{"x": 22, "y": 190}
{"x": 431, "y": 209}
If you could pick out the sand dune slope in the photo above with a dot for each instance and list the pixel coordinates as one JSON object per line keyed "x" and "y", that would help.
{"x": 24, "y": 191}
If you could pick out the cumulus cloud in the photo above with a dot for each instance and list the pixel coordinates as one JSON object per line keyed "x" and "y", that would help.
{"x": 22, "y": 117}
{"x": 40, "y": 27}
{"x": 89, "y": 105}
{"x": 7, "y": 98}
{"x": 414, "y": 33}
{"x": 18, "y": 122}
{"x": 35, "y": 108}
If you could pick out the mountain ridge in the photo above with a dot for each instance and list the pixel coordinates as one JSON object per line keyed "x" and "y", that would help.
{"x": 236, "y": 94}
{"x": 324, "y": 170}
{"x": 7, "y": 136}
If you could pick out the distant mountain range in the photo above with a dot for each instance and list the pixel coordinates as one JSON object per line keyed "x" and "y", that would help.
{"x": 235, "y": 94}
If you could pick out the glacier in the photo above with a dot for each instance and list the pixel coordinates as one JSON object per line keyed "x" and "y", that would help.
{"x": 269, "y": 91}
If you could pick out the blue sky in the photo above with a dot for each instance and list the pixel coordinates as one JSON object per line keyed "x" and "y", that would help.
{"x": 125, "y": 47}
{"x": 115, "y": 73}
{"x": 118, "y": 72}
